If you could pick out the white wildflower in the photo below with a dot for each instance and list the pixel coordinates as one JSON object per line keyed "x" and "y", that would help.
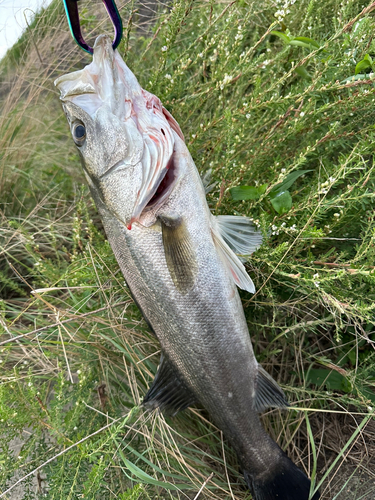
{"x": 164, "y": 48}
{"x": 226, "y": 79}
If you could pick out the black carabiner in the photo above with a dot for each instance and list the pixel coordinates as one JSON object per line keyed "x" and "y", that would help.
{"x": 71, "y": 9}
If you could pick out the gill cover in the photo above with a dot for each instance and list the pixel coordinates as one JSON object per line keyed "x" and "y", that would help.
{"x": 107, "y": 87}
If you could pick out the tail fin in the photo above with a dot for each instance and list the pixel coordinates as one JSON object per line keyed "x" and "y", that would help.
{"x": 285, "y": 482}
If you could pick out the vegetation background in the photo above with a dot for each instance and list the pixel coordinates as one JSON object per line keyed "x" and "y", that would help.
{"x": 261, "y": 90}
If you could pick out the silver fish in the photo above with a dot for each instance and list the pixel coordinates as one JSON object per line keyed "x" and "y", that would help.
{"x": 179, "y": 262}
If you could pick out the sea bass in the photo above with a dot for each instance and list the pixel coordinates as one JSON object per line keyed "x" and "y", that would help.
{"x": 179, "y": 262}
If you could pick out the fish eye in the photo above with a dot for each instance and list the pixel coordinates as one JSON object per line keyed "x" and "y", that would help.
{"x": 79, "y": 133}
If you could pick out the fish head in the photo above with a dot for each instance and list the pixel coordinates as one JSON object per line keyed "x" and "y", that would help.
{"x": 97, "y": 104}
{"x": 124, "y": 136}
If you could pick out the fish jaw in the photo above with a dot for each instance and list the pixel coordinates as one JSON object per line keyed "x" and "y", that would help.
{"x": 131, "y": 125}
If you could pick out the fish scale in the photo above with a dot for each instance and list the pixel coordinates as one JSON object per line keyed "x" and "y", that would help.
{"x": 179, "y": 262}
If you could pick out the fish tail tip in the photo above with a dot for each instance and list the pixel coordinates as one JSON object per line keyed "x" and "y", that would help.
{"x": 286, "y": 482}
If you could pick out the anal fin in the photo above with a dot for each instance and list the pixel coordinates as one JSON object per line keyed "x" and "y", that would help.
{"x": 268, "y": 394}
{"x": 168, "y": 390}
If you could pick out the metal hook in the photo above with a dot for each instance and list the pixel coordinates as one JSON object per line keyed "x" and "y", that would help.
{"x": 71, "y": 9}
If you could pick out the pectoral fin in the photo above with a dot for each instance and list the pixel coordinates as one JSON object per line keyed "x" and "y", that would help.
{"x": 239, "y": 233}
{"x": 233, "y": 263}
{"x": 267, "y": 392}
{"x": 179, "y": 253}
{"x": 168, "y": 391}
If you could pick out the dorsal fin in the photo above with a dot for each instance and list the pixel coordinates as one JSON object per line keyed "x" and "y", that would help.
{"x": 168, "y": 390}
{"x": 268, "y": 394}
{"x": 235, "y": 266}
{"x": 239, "y": 233}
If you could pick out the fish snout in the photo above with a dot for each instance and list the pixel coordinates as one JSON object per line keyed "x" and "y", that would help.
{"x": 103, "y": 49}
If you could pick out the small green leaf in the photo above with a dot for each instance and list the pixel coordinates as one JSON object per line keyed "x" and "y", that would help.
{"x": 300, "y": 44}
{"x": 366, "y": 391}
{"x": 362, "y": 66}
{"x": 281, "y": 202}
{"x": 308, "y": 41}
{"x": 248, "y": 192}
{"x": 302, "y": 71}
{"x": 155, "y": 467}
{"x": 281, "y": 35}
{"x": 288, "y": 181}
{"x": 147, "y": 479}
{"x": 333, "y": 380}
{"x": 368, "y": 58}
{"x": 354, "y": 79}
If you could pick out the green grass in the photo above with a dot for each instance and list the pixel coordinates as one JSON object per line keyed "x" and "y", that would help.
{"x": 76, "y": 355}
